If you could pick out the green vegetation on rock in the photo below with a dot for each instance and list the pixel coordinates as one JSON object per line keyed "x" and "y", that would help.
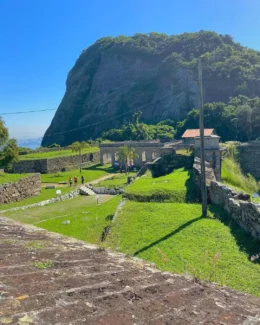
{"x": 156, "y": 73}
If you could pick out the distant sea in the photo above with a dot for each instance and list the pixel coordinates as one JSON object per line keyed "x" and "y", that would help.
{"x": 30, "y": 143}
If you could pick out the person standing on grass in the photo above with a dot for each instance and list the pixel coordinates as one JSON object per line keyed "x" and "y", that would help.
{"x": 82, "y": 180}
{"x": 75, "y": 180}
{"x": 70, "y": 181}
{"x": 97, "y": 197}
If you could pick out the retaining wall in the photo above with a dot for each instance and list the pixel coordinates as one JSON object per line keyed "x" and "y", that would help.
{"x": 53, "y": 165}
{"x": 249, "y": 157}
{"x": 23, "y": 189}
{"x": 237, "y": 205}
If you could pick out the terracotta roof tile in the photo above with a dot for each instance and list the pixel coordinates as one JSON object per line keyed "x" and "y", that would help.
{"x": 192, "y": 133}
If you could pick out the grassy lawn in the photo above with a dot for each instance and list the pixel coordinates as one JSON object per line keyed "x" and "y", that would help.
{"x": 65, "y": 209}
{"x": 56, "y": 154}
{"x": 90, "y": 173}
{"x": 44, "y": 195}
{"x": 177, "y": 239}
{"x": 119, "y": 180}
{"x": 87, "y": 220}
{"x": 11, "y": 178}
{"x": 175, "y": 187}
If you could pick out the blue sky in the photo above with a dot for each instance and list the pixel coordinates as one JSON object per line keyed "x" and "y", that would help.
{"x": 41, "y": 39}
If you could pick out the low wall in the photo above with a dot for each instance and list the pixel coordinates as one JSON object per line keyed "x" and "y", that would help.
{"x": 237, "y": 205}
{"x": 53, "y": 165}
{"x": 23, "y": 189}
{"x": 249, "y": 157}
{"x": 169, "y": 162}
{"x": 245, "y": 213}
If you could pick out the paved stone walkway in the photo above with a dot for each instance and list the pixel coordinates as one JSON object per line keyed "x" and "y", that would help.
{"x": 86, "y": 285}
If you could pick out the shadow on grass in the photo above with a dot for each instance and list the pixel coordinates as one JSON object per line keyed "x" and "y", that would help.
{"x": 176, "y": 231}
{"x": 244, "y": 240}
{"x": 109, "y": 169}
{"x": 192, "y": 193}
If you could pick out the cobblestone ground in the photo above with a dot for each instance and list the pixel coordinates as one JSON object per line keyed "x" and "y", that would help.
{"x": 49, "y": 279}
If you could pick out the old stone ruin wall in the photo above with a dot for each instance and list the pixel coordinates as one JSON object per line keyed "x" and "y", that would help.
{"x": 53, "y": 165}
{"x": 23, "y": 189}
{"x": 249, "y": 158}
{"x": 237, "y": 205}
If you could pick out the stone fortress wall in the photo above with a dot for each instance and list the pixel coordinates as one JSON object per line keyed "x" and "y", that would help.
{"x": 53, "y": 165}
{"x": 249, "y": 158}
{"x": 23, "y": 189}
{"x": 237, "y": 205}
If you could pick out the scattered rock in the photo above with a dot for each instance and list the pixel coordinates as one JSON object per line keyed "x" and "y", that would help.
{"x": 67, "y": 222}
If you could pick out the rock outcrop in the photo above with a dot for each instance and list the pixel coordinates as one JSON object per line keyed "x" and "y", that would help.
{"x": 155, "y": 73}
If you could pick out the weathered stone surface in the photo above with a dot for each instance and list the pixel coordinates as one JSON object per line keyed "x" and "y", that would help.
{"x": 249, "y": 157}
{"x": 53, "y": 165}
{"x": 87, "y": 285}
{"x": 245, "y": 213}
{"x": 237, "y": 205}
{"x": 23, "y": 189}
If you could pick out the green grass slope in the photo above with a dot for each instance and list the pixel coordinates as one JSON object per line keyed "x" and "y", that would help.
{"x": 11, "y": 178}
{"x": 56, "y": 154}
{"x": 87, "y": 222}
{"x": 175, "y": 187}
{"x": 177, "y": 239}
{"x": 90, "y": 173}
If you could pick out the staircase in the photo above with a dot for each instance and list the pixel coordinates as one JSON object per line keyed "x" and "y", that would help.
{"x": 84, "y": 190}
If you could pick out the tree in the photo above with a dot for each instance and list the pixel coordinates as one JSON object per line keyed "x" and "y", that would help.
{"x": 125, "y": 155}
{"x": 9, "y": 154}
{"x": 78, "y": 147}
{"x": 137, "y": 116}
{"x": 8, "y": 148}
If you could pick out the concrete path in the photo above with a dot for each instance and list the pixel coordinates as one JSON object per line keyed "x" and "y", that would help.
{"x": 48, "y": 279}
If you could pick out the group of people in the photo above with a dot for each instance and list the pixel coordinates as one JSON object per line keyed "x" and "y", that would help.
{"x": 75, "y": 179}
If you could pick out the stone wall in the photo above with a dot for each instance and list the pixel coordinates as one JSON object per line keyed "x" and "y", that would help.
{"x": 54, "y": 165}
{"x": 249, "y": 157}
{"x": 245, "y": 213}
{"x": 23, "y": 189}
{"x": 237, "y": 205}
{"x": 169, "y": 162}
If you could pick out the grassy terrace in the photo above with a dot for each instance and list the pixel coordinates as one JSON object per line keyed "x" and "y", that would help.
{"x": 56, "y": 154}
{"x": 87, "y": 219}
{"x": 119, "y": 180}
{"x": 11, "y": 178}
{"x": 173, "y": 234}
{"x": 175, "y": 187}
{"x": 90, "y": 173}
{"x": 177, "y": 239}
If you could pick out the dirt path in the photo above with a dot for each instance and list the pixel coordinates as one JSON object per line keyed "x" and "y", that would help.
{"x": 91, "y": 182}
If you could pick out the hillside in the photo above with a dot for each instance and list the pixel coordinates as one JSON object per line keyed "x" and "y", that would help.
{"x": 115, "y": 76}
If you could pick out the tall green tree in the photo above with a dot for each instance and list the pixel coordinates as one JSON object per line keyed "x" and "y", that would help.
{"x": 125, "y": 155}
{"x": 9, "y": 151}
{"x": 79, "y": 147}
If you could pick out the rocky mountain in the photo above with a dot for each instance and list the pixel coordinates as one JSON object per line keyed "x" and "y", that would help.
{"x": 154, "y": 73}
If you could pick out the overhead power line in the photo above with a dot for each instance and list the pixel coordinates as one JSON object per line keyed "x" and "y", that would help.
{"x": 111, "y": 118}
{"x": 26, "y": 112}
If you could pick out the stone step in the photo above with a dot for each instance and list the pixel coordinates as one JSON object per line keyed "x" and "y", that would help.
{"x": 84, "y": 190}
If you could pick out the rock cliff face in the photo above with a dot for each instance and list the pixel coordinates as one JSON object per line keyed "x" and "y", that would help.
{"x": 155, "y": 73}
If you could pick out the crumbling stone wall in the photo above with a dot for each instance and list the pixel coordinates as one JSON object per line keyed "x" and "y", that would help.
{"x": 237, "y": 205}
{"x": 245, "y": 213}
{"x": 249, "y": 158}
{"x": 53, "y": 165}
{"x": 23, "y": 189}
